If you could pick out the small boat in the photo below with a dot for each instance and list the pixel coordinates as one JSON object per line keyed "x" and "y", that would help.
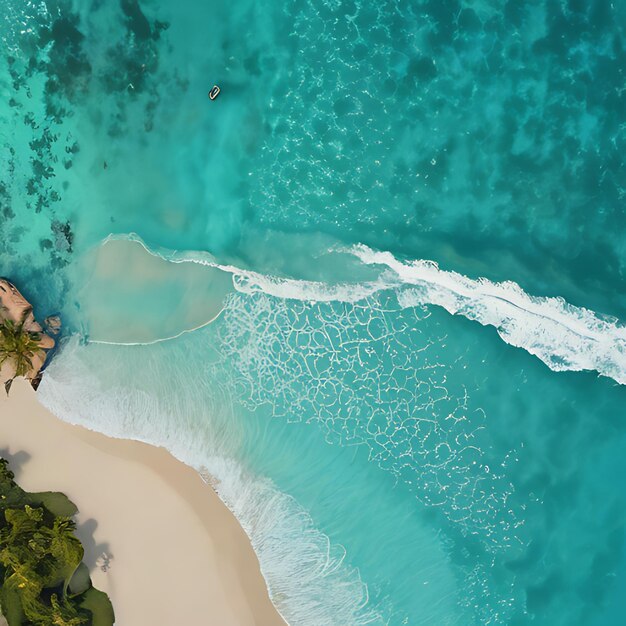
{"x": 215, "y": 91}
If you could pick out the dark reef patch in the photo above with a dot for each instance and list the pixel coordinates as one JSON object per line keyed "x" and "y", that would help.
{"x": 60, "y": 65}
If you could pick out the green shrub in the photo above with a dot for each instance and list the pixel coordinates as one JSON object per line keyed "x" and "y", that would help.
{"x": 39, "y": 554}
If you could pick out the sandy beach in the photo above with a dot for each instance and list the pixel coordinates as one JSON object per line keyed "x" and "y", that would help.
{"x": 157, "y": 539}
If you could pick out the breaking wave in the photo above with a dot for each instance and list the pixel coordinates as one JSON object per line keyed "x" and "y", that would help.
{"x": 564, "y": 336}
{"x": 307, "y": 578}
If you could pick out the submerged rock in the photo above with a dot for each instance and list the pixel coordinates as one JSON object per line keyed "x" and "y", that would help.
{"x": 53, "y": 324}
{"x": 23, "y": 344}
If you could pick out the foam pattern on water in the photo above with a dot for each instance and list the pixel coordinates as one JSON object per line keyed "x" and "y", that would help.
{"x": 186, "y": 396}
{"x": 410, "y": 385}
{"x": 370, "y": 374}
{"x": 512, "y": 467}
{"x": 191, "y": 414}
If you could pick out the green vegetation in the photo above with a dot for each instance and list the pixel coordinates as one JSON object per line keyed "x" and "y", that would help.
{"x": 43, "y": 581}
{"x": 17, "y": 346}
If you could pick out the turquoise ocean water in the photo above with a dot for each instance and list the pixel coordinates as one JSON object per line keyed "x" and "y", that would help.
{"x": 405, "y": 223}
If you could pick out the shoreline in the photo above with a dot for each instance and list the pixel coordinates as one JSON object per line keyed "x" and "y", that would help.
{"x": 157, "y": 538}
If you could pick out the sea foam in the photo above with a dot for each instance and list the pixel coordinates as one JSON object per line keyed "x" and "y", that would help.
{"x": 564, "y": 336}
{"x": 307, "y": 578}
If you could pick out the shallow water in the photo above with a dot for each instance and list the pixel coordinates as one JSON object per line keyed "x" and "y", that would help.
{"x": 392, "y": 460}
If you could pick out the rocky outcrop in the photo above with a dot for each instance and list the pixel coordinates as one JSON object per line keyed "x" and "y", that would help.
{"x": 53, "y": 324}
{"x": 17, "y": 321}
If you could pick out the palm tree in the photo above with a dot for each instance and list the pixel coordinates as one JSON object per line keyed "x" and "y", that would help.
{"x": 17, "y": 346}
{"x": 65, "y": 548}
{"x": 65, "y": 614}
{"x": 39, "y": 555}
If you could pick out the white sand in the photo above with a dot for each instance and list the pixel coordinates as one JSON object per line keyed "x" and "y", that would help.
{"x": 178, "y": 555}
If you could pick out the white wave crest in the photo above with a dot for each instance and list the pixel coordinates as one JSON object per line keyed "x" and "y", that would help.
{"x": 563, "y": 336}
{"x": 249, "y": 281}
{"x": 307, "y": 578}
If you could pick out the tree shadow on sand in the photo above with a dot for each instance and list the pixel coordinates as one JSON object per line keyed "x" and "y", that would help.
{"x": 16, "y": 460}
{"x": 96, "y": 554}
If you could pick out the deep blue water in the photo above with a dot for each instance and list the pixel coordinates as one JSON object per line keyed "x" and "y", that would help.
{"x": 411, "y": 216}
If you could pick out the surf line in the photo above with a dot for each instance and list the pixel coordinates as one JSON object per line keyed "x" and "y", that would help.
{"x": 562, "y": 336}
